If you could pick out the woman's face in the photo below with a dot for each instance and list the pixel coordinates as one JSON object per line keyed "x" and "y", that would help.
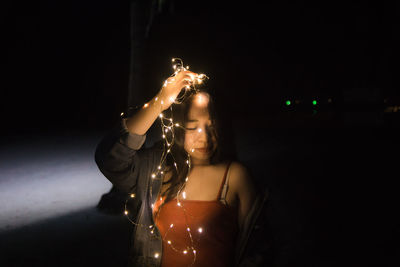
{"x": 200, "y": 140}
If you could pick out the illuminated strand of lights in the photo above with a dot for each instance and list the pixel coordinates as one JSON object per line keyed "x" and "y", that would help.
{"x": 179, "y": 250}
{"x": 168, "y": 135}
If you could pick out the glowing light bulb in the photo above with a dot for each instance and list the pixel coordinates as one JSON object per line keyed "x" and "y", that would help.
{"x": 199, "y": 130}
{"x": 133, "y": 195}
{"x": 188, "y": 229}
{"x": 171, "y": 225}
{"x": 122, "y": 114}
{"x": 185, "y": 252}
{"x": 169, "y": 242}
{"x": 194, "y": 251}
{"x": 153, "y": 175}
{"x": 179, "y": 204}
{"x": 156, "y": 255}
{"x": 146, "y": 105}
{"x": 177, "y": 124}
{"x": 159, "y": 167}
{"x": 192, "y": 150}
{"x": 200, "y": 230}
{"x": 126, "y": 212}
{"x": 161, "y": 115}
{"x": 169, "y": 150}
{"x": 163, "y": 136}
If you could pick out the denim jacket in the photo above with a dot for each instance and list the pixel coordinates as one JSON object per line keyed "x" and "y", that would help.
{"x": 123, "y": 160}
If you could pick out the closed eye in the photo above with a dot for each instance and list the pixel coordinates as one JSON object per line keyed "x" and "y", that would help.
{"x": 194, "y": 128}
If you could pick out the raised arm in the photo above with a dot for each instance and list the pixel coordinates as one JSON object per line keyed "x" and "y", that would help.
{"x": 116, "y": 155}
{"x": 141, "y": 121}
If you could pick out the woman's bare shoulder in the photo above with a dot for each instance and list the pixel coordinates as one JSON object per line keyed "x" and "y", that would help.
{"x": 238, "y": 168}
{"x": 239, "y": 174}
{"x": 235, "y": 168}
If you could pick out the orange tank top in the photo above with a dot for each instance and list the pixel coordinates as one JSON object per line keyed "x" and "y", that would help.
{"x": 197, "y": 233}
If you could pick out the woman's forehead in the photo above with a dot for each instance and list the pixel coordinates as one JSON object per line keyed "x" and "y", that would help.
{"x": 201, "y": 99}
{"x": 198, "y": 113}
{"x": 199, "y": 107}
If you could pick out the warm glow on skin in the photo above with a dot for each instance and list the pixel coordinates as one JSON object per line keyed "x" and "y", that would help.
{"x": 201, "y": 100}
{"x": 198, "y": 134}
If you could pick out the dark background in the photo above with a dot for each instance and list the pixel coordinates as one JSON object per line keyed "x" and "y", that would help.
{"x": 66, "y": 66}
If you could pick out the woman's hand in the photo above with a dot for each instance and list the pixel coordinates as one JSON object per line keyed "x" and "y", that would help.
{"x": 173, "y": 86}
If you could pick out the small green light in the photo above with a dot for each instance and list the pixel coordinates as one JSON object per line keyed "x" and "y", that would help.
{"x": 288, "y": 102}
{"x": 314, "y": 102}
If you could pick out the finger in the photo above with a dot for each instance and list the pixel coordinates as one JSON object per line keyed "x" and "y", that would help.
{"x": 186, "y": 83}
{"x": 188, "y": 73}
{"x": 189, "y": 77}
{"x": 192, "y": 74}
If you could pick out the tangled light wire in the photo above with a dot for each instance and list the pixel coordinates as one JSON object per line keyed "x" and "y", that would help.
{"x": 168, "y": 135}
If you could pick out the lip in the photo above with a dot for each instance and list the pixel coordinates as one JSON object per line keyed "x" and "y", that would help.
{"x": 203, "y": 149}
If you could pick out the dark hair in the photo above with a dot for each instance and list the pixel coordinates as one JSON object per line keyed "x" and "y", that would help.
{"x": 225, "y": 150}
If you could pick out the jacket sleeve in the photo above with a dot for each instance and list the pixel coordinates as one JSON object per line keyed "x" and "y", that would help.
{"x": 121, "y": 157}
{"x": 249, "y": 231}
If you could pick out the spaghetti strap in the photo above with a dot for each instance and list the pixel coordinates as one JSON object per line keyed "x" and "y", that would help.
{"x": 223, "y": 184}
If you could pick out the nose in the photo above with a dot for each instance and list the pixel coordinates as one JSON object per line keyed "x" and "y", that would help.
{"x": 204, "y": 135}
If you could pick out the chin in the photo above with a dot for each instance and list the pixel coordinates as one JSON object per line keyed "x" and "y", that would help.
{"x": 203, "y": 156}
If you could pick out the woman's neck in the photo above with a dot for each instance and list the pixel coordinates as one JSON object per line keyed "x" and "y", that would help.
{"x": 199, "y": 162}
{"x": 195, "y": 163}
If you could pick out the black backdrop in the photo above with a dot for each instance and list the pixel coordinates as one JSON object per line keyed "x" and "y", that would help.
{"x": 67, "y": 64}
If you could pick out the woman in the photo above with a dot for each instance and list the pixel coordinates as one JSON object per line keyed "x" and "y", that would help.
{"x": 193, "y": 209}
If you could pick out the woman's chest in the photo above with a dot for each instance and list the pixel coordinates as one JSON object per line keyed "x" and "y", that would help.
{"x": 204, "y": 184}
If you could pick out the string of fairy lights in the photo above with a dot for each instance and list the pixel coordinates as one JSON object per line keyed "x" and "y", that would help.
{"x": 168, "y": 135}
